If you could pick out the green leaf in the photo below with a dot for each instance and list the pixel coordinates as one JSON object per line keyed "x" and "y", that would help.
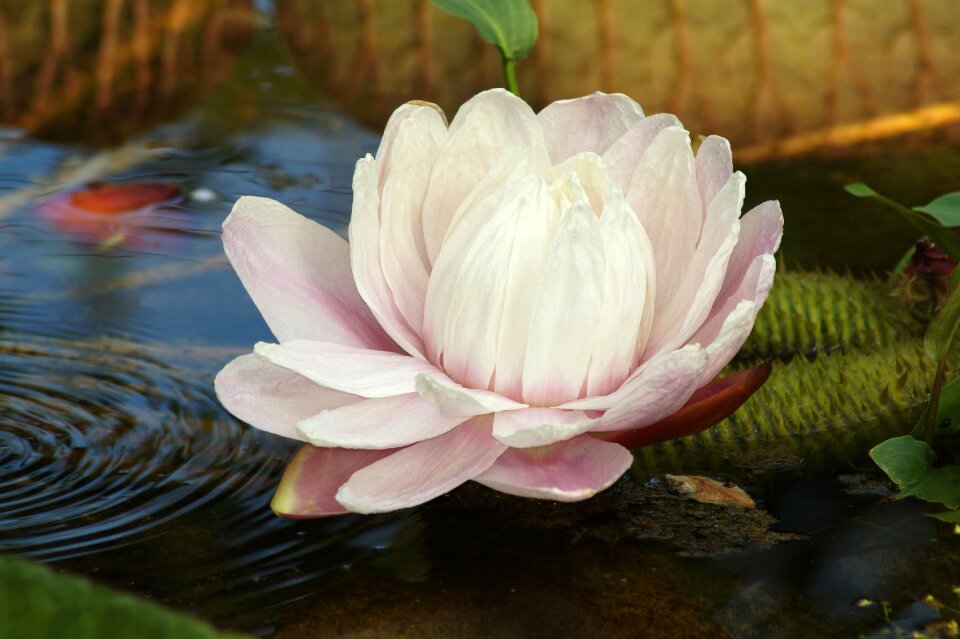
{"x": 946, "y": 239}
{"x": 859, "y": 189}
{"x": 909, "y": 464}
{"x": 38, "y": 603}
{"x": 510, "y": 25}
{"x": 905, "y": 460}
{"x": 940, "y": 486}
{"x": 945, "y": 209}
{"x": 949, "y": 516}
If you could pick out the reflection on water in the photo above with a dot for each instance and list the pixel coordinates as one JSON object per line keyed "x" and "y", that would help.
{"x": 117, "y": 462}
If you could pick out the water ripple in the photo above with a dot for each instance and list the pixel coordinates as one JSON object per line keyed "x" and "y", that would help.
{"x": 99, "y": 447}
{"x": 116, "y": 459}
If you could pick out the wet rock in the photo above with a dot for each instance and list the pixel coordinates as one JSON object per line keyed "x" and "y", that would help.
{"x": 710, "y": 491}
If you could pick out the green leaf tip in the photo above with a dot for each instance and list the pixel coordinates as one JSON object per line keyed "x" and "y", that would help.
{"x": 510, "y": 25}
{"x": 859, "y": 189}
{"x": 945, "y": 209}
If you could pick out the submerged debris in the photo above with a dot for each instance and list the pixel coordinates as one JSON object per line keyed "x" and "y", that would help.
{"x": 710, "y": 491}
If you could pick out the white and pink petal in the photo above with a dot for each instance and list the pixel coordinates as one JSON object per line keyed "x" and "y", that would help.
{"x": 566, "y": 471}
{"x": 487, "y": 127}
{"x": 590, "y": 123}
{"x": 272, "y": 398}
{"x": 389, "y": 422}
{"x": 311, "y": 480}
{"x": 298, "y": 274}
{"x": 453, "y": 399}
{"x": 423, "y": 471}
{"x": 714, "y": 166}
{"x": 364, "y": 233}
{"x": 404, "y": 170}
{"x": 358, "y": 371}
{"x": 535, "y": 426}
{"x": 567, "y": 305}
{"x": 731, "y": 321}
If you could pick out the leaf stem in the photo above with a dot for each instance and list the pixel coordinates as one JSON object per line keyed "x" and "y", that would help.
{"x": 938, "y": 386}
{"x": 510, "y": 75}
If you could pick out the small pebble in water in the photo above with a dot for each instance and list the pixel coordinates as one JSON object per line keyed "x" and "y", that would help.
{"x": 204, "y": 194}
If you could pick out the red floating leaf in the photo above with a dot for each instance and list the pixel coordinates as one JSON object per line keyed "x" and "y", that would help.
{"x": 119, "y": 198}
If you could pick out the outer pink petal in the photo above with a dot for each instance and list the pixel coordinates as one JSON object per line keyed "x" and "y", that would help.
{"x": 714, "y": 166}
{"x": 405, "y": 162}
{"x": 730, "y": 323}
{"x": 690, "y": 303}
{"x": 623, "y": 155}
{"x": 423, "y": 471}
{"x": 390, "y": 422}
{"x": 536, "y": 426}
{"x": 272, "y": 398}
{"x": 358, "y": 371}
{"x": 298, "y": 274}
{"x": 664, "y": 195}
{"x": 313, "y": 477}
{"x": 658, "y": 389}
{"x": 746, "y": 285}
{"x": 364, "y": 232}
{"x": 760, "y": 231}
{"x": 453, "y": 399}
{"x": 590, "y": 123}
{"x": 403, "y": 113}
{"x": 566, "y": 471}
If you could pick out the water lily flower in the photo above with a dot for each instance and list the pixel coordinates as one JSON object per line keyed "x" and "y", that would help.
{"x": 519, "y": 292}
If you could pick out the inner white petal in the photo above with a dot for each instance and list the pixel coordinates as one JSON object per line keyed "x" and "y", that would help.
{"x": 543, "y": 286}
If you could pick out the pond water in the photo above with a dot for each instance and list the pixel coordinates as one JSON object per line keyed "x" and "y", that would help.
{"x": 117, "y": 462}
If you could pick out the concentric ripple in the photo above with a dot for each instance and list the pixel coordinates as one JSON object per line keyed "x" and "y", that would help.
{"x": 116, "y": 459}
{"x": 100, "y": 445}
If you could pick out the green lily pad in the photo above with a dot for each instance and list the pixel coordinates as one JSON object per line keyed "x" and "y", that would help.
{"x": 39, "y": 603}
{"x": 909, "y": 463}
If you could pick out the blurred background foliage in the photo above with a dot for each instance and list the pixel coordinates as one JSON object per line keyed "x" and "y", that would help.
{"x": 755, "y": 71}
{"x": 99, "y": 70}
{"x": 779, "y": 79}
